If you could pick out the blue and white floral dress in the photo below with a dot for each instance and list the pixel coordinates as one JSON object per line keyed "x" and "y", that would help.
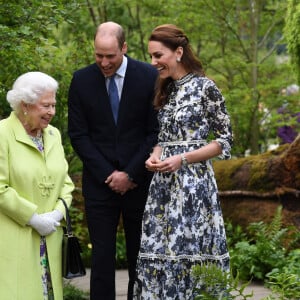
{"x": 183, "y": 223}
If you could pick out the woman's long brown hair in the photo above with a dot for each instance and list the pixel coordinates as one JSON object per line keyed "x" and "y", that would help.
{"x": 173, "y": 37}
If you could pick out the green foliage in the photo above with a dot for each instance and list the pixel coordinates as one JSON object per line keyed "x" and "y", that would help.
{"x": 73, "y": 293}
{"x": 216, "y": 284}
{"x": 285, "y": 282}
{"x": 80, "y": 230}
{"x": 77, "y": 217}
{"x": 243, "y": 61}
{"x": 75, "y": 164}
{"x": 234, "y": 234}
{"x": 265, "y": 250}
{"x": 26, "y": 32}
{"x": 292, "y": 34}
{"x": 121, "y": 258}
{"x": 56, "y": 37}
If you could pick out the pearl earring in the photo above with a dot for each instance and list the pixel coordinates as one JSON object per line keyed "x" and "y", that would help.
{"x": 25, "y": 113}
{"x": 178, "y": 59}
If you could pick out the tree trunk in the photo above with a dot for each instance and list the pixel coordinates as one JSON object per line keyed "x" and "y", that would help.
{"x": 251, "y": 188}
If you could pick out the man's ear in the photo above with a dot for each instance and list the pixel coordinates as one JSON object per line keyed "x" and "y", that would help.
{"x": 124, "y": 48}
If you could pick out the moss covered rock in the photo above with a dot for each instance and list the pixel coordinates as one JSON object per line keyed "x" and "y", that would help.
{"x": 251, "y": 188}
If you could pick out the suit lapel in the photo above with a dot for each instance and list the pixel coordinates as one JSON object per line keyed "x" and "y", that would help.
{"x": 127, "y": 90}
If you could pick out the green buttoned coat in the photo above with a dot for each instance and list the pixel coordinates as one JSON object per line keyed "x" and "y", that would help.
{"x": 30, "y": 181}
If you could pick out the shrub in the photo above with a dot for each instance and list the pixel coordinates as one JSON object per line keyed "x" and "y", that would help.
{"x": 265, "y": 249}
{"x": 217, "y": 284}
{"x": 73, "y": 293}
{"x": 285, "y": 282}
{"x": 121, "y": 259}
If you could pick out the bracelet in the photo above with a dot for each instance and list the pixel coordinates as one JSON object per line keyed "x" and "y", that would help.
{"x": 184, "y": 161}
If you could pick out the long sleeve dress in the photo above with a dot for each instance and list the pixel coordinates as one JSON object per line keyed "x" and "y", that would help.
{"x": 183, "y": 223}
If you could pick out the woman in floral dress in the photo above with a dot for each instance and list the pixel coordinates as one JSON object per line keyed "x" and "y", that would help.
{"x": 183, "y": 223}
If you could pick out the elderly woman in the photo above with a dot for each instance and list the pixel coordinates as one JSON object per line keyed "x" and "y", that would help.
{"x": 33, "y": 175}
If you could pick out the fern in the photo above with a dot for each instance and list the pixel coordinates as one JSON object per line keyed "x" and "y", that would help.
{"x": 286, "y": 281}
{"x": 263, "y": 231}
{"x": 264, "y": 251}
{"x": 216, "y": 284}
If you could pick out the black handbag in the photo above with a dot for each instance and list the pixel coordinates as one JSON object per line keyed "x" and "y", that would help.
{"x": 72, "y": 265}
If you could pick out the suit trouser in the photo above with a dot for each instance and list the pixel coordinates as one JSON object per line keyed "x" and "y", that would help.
{"x": 103, "y": 215}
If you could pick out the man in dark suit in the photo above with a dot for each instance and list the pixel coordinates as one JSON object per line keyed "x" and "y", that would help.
{"x": 113, "y": 151}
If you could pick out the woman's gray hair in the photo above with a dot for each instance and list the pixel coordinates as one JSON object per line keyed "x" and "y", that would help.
{"x": 29, "y": 87}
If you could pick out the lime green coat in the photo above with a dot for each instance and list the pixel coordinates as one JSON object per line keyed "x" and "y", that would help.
{"x": 29, "y": 182}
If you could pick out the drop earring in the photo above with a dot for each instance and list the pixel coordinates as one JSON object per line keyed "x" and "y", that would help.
{"x": 178, "y": 59}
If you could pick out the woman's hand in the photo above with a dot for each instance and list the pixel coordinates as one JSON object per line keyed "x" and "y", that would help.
{"x": 170, "y": 164}
{"x": 151, "y": 162}
{"x": 42, "y": 224}
{"x": 54, "y": 214}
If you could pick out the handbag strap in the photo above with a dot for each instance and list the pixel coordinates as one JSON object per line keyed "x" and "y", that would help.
{"x": 68, "y": 219}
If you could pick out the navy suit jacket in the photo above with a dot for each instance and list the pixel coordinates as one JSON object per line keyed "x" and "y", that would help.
{"x": 102, "y": 145}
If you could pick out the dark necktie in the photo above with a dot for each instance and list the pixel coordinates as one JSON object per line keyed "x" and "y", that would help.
{"x": 114, "y": 97}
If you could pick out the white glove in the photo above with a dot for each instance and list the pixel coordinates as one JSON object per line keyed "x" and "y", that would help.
{"x": 54, "y": 214}
{"x": 42, "y": 224}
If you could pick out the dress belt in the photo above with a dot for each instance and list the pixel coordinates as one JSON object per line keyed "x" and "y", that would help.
{"x": 183, "y": 143}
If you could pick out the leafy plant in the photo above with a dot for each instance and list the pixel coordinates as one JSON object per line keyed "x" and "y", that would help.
{"x": 121, "y": 258}
{"x": 80, "y": 229}
{"x": 217, "y": 284}
{"x": 234, "y": 234}
{"x": 285, "y": 282}
{"x": 266, "y": 250}
{"x": 291, "y": 32}
{"x": 73, "y": 293}
{"x": 284, "y": 286}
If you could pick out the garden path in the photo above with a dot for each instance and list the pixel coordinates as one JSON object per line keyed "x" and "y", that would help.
{"x": 259, "y": 291}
